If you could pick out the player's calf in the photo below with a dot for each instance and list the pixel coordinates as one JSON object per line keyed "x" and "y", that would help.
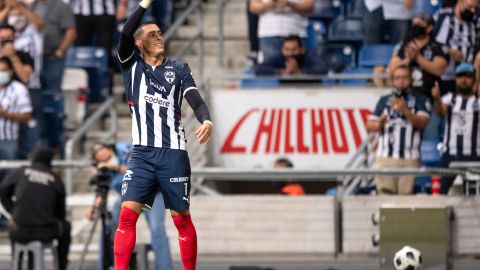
{"x": 187, "y": 239}
{"x": 125, "y": 237}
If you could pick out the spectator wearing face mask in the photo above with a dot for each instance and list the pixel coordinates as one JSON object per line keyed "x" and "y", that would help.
{"x": 293, "y": 59}
{"x": 428, "y": 61}
{"x": 456, "y": 28}
{"x": 28, "y": 39}
{"x": 15, "y": 108}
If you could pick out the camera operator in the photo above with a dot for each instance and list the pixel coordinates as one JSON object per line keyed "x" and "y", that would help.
{"x": 38, "y": 210}
{"x": 111, "y": 161}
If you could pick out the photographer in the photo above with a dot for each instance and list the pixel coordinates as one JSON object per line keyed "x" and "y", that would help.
{"x": 35, "y": 196}
{"x": 110, "y": 162}
{"x": 400, "y": 118}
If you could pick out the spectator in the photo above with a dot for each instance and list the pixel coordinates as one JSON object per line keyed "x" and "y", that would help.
{"x": 59, "y": 33}
{"x": 400, "y": 118}
{"x": 22, "y": 62}
{"x": 428, "y": 61}
{"x": 252, "y": 20}
{"x": 28, "y": 39}
{"x": 38, "y": 210}
{"x": 290, "y": 188}
{"x": 294, "y": 59}
{"x": 460, "y": 109}
{"x": 386, "y": 17}
{"x": 15, "y": 108}
{"x": 115, "y": 158}
{"x": 279, "y": 19}
{"x": 456, "y": 28}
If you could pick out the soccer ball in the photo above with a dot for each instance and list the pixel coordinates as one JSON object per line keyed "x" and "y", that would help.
{"x": 407, "y": 258}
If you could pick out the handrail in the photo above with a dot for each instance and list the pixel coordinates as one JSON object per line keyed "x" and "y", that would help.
{"x": 221, "y": 37}
{"x": 108, "y": 106}
{"x": 57, "y": 164}
{"x": 195, "y": 5}
{"x": 331, "y": 76}
{"x": 311, "y": 175}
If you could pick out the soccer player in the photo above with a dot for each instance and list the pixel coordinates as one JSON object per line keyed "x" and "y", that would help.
{"x": 155, "y": 86}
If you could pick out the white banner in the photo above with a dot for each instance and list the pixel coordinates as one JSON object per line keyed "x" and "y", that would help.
{"x": 312, "y": 128}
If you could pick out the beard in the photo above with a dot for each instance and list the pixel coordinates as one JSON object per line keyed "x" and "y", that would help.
{"x": 465, "y": 90}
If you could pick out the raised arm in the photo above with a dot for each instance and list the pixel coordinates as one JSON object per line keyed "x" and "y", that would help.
{"x": 127, "y": 44}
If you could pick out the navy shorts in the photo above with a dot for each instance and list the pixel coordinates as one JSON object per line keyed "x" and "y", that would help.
{"x": 153, "y": 169}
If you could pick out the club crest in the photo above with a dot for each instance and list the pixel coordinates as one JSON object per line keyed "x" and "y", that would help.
{"x": 169, "y": 76}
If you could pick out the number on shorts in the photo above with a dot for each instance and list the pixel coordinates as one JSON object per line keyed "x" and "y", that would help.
{"x": 186, "y": 189}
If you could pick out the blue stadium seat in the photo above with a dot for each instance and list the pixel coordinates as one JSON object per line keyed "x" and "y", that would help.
{"x": 354, "y": 9}
{"x": 316, "y": 33}
{"x": 257, "y": 82}
{"x": 429, "y": 6}
{"x": 356, "y": 82}
{"x": 375, "y": 55}
{"x": 338, "y": 56}
{"x": 430, "y": 158}
{"x": 346, "y": 30}
{"x": 95, "y": 61}
{"x": 326, "y": 9}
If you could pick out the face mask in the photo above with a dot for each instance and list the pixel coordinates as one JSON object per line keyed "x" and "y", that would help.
{"x": 418, "y": 31}
{"x": 465, "y": 90}
{"x": 114, "y": 161}
{"x": 4, "y": 78}
{"x": 18, "y": 22}
{"x": 467, "y": 15}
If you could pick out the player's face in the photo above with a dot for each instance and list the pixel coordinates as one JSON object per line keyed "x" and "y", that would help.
{"x": 152, "y": 40}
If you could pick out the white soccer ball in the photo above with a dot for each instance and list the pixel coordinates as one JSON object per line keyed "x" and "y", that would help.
{"x": 407, "y": 258}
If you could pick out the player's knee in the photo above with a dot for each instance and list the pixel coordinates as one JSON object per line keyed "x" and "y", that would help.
{"x": 134, "y": 206}
{"x": 180, "y": 213}
{"x": 128, "y": 219}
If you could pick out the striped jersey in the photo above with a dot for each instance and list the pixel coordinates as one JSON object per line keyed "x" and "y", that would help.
{"x": 93, "y": 7}
{"x": 461, "y": 137}
{"x": 14, "y": 98}
{"x": 398, "y": 138}
{"x": 455, "y": 34}
{"x": 155, "y": 97}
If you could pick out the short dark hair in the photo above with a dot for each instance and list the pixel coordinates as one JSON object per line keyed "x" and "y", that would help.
{"x": 7, "y": 61}
{"x": 294, "y": 38}
{"x": 408, "y": 68}
{"x": 7, "y": 26}
{"x": 139, "y": 31}
{"x": 284, "y": 161}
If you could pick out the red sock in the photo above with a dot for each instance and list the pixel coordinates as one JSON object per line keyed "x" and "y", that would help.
{"x": 125, "y": 238}
{"x": 187, "y": 239}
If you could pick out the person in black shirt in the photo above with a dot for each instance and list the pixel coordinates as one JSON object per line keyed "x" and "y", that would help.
{"x": 428, "y": 61}
{"x": 427, "y": 58}
{"x": 38, "y": 212}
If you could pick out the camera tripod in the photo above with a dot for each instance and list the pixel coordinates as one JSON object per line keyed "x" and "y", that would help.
{"x": 105, "y": 216}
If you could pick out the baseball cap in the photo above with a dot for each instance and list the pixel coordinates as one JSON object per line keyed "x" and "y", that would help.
{"x": 465, "y": 68}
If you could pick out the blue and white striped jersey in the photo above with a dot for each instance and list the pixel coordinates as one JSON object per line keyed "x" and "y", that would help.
{"x": 155, "y": 95}
{"x": 461, "y": 126}
{"x": 399, "y": 138}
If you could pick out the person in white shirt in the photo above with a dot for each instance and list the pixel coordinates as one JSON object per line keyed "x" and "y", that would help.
{"x": 386, "y": 17}
{"x": 279, "y": 19}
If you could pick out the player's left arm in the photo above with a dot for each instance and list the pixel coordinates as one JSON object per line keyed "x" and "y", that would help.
{"x": 200, "y": 109}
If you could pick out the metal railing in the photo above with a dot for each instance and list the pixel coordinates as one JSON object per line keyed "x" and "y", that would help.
{"x": 107, "y": 107}
{"x": 221, "y": 4}
{"x": 195, "y": 6}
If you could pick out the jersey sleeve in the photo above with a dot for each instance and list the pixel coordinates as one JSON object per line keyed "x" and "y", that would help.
{"x": 188, "y": 82}
{"x": 423, "y": 106}
{"x": 126, "y": 46}
{"x": 378, "y": 109}
{"x": 23, "y": 104}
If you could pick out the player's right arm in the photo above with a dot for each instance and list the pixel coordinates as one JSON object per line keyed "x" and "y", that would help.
{"x": 126, "y": 46}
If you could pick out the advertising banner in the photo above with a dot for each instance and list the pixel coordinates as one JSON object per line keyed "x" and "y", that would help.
{"x": 312, "y": 128}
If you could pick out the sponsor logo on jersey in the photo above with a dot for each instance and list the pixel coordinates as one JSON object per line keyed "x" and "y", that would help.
{"x": 169, "y": 76}
{"x": 179, "y": 179}
{"x": 156, "y": 100}
{"x": 128, "y": 175}
{"x": 158, "y": 87}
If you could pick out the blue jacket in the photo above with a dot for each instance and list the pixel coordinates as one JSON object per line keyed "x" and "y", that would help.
{"x": 310, "y": 63}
